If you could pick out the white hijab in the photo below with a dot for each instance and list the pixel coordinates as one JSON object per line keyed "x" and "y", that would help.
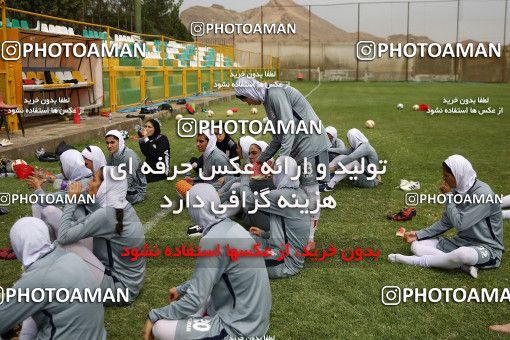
{"x": 73, "y": 165}
{"x": 463, "y": 172}
{"x": 356, "y": 138}
{"x": 211, "y": 144}
{"x": 332, "y": 131}
{"x": 261, "y": 144}
{"x": 245, "y": 143}
{"x": 204, "y": 216}
{"x": 30, "y": 240}
{"x": 96, "y": 155}
{"x": 117, "y": 134}
{"x": 251, "y": 88}
{"x": 289, "y": 168}
{"x": 112, "y": 192}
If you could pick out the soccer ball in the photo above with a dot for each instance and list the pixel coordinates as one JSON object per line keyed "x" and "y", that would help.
{"x": 369, "y": 124}
{"x": 416, "y": 107}
{"x": 254, "y": 111}
{"x": 265, "y": 119}
{"x": 230, "y": 113}
{"x": 210, "y": 113}
{"x": 178, "y": 117}
{"x": 400, "y": 106}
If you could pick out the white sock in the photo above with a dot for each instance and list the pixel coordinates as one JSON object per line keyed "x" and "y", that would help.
{"x": 451, "y": 260}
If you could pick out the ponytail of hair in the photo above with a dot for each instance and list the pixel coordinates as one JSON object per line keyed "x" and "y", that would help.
{"x": 119, "y": 213}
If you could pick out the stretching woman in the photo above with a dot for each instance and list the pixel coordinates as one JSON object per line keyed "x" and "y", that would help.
{"x": 479, "y": 239}
{"x": 288, "y": 226}
{"x": 115, "y": 226}
{"x": 351, "y": 158}
{"x": 48, "y": 267}
{"x": 231, "y": 287}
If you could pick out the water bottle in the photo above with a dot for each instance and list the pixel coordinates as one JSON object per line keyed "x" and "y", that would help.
{"x": 110, "y": 117}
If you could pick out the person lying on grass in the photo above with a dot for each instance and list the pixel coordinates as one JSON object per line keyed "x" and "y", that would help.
{"x": 479, "y": 239}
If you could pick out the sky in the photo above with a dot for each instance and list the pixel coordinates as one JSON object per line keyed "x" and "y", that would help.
{"x": 482, "y": 20}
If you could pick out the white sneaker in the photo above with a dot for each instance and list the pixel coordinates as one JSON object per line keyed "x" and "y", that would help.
{"x": 409, "y": 185}
{"x": 194, "y": 231}
{"x": 5, "y": 142}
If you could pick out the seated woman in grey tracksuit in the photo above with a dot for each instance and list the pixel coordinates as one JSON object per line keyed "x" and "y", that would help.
{"x": 287, "y": 225}
{"x": 114, "y": 227}
{"x": 479, "y": 239}
{"x": 50, "y": 267}
{"x": 121, "y": 154}
{"x": 336, "y": 143}
{"x": 48, "y": 206}
{"x": 360, "y": 152}
{"x": 239, "y": 290}
{"x": 213, "y": 157}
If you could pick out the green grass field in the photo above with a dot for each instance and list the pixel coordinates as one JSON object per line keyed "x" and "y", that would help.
{"x": 333, "y": 299}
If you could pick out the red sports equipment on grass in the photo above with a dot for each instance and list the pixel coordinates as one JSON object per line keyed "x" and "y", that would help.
{"x": 23, "y": 171}
{"x": 405, "y": 214}
{"x": 7, "y": 254}
{"x": 190, "y": 108}
{"x": 423, "y": 107}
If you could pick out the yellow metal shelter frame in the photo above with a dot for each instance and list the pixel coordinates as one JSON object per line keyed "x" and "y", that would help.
{"x": 176, "y": 80}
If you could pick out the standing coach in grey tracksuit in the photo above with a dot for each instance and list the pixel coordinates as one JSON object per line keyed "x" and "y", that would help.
{"x": 286, "y": 104}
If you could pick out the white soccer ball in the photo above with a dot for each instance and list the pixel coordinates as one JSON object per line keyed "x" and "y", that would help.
{"x": 210, "y": 113}
{"x": 400, "y": 106}
{"x": 369, "y": 124}
{"x": 254, "y": 111}
{"x": 179, "y": 116}
{"x": 230, "y": 113}
{"x": 265, "y": 119}
{"x": 416, "y": 107}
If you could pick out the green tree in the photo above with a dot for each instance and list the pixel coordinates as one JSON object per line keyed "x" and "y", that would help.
{"x": 162, "y": 17}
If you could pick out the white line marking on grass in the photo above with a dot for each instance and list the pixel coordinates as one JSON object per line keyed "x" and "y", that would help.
{"x": 316, "y": 87}
{"x": 155, "y": 220}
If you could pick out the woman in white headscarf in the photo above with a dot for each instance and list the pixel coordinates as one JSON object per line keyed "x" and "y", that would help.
{"x": 361, "y": 155}
{"x": 479, "y": 239}
{"x": 289, "y": 225}
{"x": 336, "y": 143}
{"x": 114, "y": 227}
{"x": 46, "y": 267}
{"x": 121, "y": 154}
{"x": 285, "y": 105}
{"x": 213, "y": 157}
{"x": 73, "y": 170}
{"x": 94, "y": 157}
{"x": 230, "y": 285}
